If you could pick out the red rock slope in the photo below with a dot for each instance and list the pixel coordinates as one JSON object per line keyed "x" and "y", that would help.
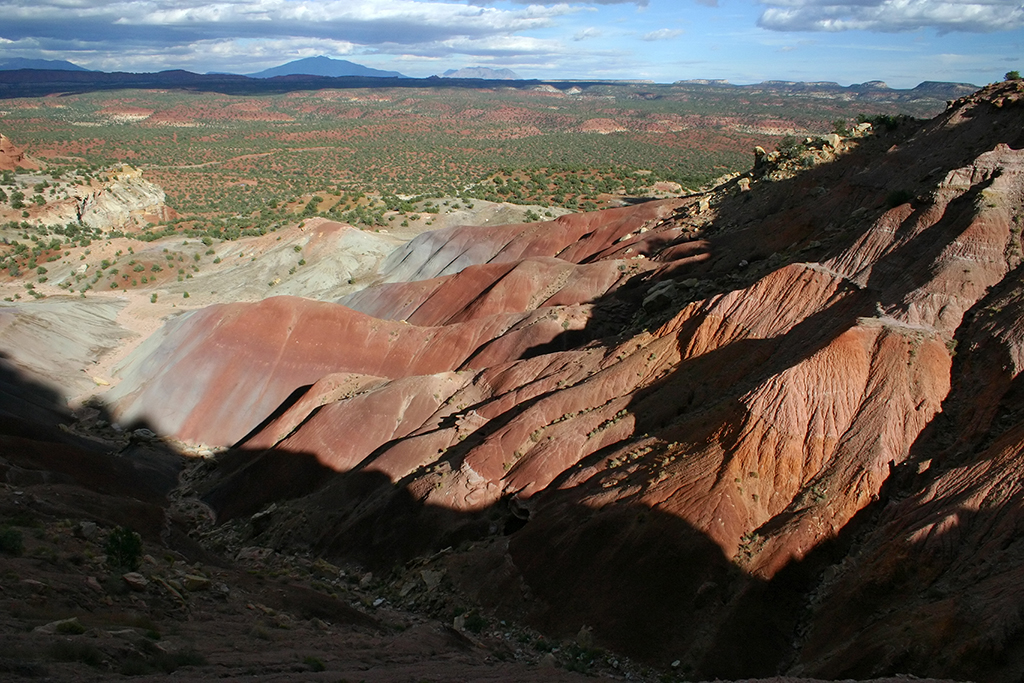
{"x": 764, "y": 469}
{"x": 12, "y": 158}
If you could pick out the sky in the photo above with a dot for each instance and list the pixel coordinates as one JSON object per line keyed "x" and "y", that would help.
{"x": 901, "y": 42}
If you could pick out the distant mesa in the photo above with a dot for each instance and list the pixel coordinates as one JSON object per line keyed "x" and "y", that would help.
{"x": 484, "y": 72}
{"x": 324, "y": 66}
{"x": 16, "y": 63}
{"x": 943, "y": 89}
{"x": 703, "y": 81}
{"x": 869, "y": 89}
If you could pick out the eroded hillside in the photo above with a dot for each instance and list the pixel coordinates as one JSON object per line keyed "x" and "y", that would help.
{"x": 769, "y": 428}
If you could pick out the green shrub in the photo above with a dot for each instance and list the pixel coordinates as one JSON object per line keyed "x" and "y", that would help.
{"x": 169, "y": 663}
{"x": 475, "y": 623}
{"x": 790, "y": 147}
{"x": 11, "y": 541}
{"x": 124, "y": 549}
{"x": 71, "y": 627}
{"x": 887, "y": 121}
{"x": 898, "y": 198}
{"x": 76, "y": 651}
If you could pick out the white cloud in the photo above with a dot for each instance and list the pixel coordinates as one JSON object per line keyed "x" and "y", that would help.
{"x": 663, "y": 34}
{"x": 589, "y": 32}
{"x": 235, "y": 34}
{"x": 638, "y": 3}
{"x": 889, "y": 16}
{"x": 174, "y": 22}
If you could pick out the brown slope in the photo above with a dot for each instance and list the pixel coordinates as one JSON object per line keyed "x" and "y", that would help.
{"x": 681, "y": 489}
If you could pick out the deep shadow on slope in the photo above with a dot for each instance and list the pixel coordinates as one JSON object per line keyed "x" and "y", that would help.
{"x": 600, "y": 573}
{"x": 113, "y": 483}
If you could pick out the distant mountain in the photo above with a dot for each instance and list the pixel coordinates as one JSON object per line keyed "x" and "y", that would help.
{"x": 484, "y": 72}
{"x": 46, "y": 64}
{"x": 324, "y": 66}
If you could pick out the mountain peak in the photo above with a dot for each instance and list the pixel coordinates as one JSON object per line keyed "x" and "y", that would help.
{"x": 484, "y": 72}
{"x": 324, "y": 66}
{"x": 16, "y": 63}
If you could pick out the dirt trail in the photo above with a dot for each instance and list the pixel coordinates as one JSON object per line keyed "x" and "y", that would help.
{"x": 243, "y": 157}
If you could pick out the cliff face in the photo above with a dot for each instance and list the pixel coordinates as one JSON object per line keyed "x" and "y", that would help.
{"x": 773, "y": 427}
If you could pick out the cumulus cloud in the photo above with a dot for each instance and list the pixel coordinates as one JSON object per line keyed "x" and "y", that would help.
{"x": 662, "y": 34}
{"x": 219, "y": 34}
{"x": 980, "y": 16}
{"x": 638, "y": 3}
{"x": 176, "y": 22}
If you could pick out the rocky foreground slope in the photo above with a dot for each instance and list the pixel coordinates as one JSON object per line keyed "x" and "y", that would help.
{"x": 772, "y": 428}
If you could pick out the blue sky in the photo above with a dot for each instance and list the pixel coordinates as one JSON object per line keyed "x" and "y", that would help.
{"x": 901, "y": 42}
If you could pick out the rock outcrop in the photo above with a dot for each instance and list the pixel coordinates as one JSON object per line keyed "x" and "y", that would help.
{"x": 12, "y": 158}
{"x": 802, "y": 455}
{"x": 125, "y": 201}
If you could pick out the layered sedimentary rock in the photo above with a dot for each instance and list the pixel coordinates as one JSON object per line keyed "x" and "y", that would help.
{"x": 126, "y": 200}
{"x": 707, "y": 428}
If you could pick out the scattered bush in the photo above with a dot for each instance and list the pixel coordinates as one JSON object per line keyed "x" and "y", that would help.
{"x": 314, "y": 664}
{"x": 898, "y": 198}
{"x": 789, "y": 147}
{"x": 11, "y": 541}
{"x": 76, "y": 651}
{"x": 124, "y": 546}
{"x": 887, "y": 121}
{"x": 70, "y": 627}
{"x": 475, "y": 623}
